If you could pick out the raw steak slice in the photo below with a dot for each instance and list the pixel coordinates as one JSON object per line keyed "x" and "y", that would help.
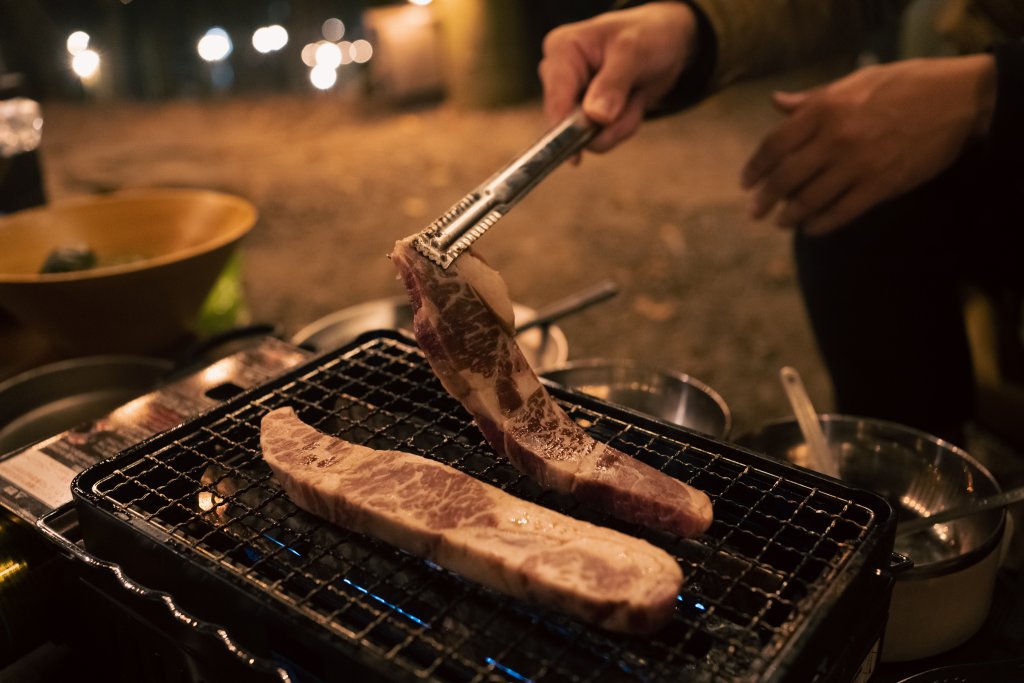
{"x": 429, "y": 509}
{"x": 464, "y": 325}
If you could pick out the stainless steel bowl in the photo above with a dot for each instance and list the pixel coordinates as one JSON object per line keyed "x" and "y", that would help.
{"x": 544, "y": 347}
{"x": 919, "y": 475}
{"x": 945, "y": 597}
{"x": 670, "y": 396}
{"x": 47, "y": 400}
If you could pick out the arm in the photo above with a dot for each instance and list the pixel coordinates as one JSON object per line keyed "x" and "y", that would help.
{"x": 868, "y": 137}
{"x": 664, "y": 55}
{"x": 761, "y": 36}
{"x": 622, "y": 63}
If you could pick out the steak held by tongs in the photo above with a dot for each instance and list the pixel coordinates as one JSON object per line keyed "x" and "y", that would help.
{"x": 451, "y": 234}
{"x": 463, "y": 322}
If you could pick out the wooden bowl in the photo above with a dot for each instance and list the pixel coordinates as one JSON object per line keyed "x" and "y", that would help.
{"x": 174, "y": 244}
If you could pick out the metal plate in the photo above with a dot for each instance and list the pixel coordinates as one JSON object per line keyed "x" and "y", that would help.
{"x": 544, "y": 347}
{"x": 48, "y": 400}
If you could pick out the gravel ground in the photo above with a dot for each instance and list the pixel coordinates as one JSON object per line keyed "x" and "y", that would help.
{"x": 337, "y": 179}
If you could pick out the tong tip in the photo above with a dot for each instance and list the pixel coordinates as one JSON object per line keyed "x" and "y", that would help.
{"x": 428, "y": 247}
{"x": 431, "y": 242}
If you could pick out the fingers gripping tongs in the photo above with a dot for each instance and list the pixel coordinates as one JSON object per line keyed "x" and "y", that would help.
{"x": 451, "y": 234}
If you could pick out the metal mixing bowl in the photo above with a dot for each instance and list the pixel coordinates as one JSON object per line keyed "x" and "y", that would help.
{"x": 44, "y": 401}
{"x": 918, "y": 473}
{"x": 944, "y": 599}
{"x": 543, "y": 347}
{"x": 670, "y": 396}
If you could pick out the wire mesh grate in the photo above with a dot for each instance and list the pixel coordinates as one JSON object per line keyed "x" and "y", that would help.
{"x": 751, "y": 581}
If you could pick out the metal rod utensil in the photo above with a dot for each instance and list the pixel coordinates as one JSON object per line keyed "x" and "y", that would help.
{"x": 997, "y": 500}
{"x": 817, "y": 446}
{"x": 474, "y": 214}
{"x": 594, "y": 294}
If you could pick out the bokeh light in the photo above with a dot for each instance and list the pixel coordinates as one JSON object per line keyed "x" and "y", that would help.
{"x": 323, "y": 77}
{"x": 86, "y": 64}
{"x": 215, "y": 45}
{"x": 421, "y": 3}
{"x": 333, "y": 29}
{"x": 328, "y": 55}
{"x": 309, "y": 54}
{"x": 361, "y": 51}
{"x": 346, "y": 51}
{"x": 77, "y": 41}
{"x": 269, "y": 38}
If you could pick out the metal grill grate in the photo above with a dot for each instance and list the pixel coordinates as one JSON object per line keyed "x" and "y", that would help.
{"x": 752, "y": 581}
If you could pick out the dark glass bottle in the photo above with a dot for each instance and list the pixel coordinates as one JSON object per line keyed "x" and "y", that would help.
{"x": 21, "y": 126}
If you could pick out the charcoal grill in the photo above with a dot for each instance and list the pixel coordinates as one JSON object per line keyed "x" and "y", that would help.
{"x": 791, "y": 581}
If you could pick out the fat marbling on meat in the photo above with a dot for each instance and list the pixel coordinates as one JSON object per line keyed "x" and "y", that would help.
{"x": 472, "y": 528}
{"x": 463, "y": 322}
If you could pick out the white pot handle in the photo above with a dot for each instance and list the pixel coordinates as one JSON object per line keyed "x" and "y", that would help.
{"x": 1007, "y": 538}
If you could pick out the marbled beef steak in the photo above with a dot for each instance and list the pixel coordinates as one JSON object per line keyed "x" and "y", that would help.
{"x": 464, "y": 324}
{"x": 432, "y": 510}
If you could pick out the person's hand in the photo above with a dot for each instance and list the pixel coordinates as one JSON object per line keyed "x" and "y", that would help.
{"x": 868, "y": 137}
{"x": 621, "y": 62}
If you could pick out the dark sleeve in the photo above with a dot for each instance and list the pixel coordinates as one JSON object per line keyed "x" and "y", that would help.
{"x": 696, "y": 80}
{"x": 1006, "y": 137}
{"x": 699, "y": 80}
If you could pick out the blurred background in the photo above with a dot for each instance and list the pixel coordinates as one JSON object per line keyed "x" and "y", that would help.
{"x": 351, "y": 124}
{"x": 146, "y": 49}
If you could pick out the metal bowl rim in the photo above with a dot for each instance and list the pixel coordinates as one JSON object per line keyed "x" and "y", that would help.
{"x": 309, "y": 330}
{"x": 85, "y": 363}
{"x": 684, "y": 378}
{"x": 932, "y": 569}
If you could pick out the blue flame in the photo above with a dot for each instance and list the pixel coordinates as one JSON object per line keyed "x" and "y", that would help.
{"x": 504, "y": 669}
{"x": 696, "y": 604}
{"x": 384, "y": 602}
{"x": 290, "y": 549}
{"x": 394, "y": 608}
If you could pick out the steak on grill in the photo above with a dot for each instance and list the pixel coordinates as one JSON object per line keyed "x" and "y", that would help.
{"x": 496, "y": 539}
{"x": 463, "y": 322}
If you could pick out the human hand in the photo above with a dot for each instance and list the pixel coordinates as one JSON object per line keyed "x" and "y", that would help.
{"x": 868, "y": 137}
{"x": 622, "y": 62}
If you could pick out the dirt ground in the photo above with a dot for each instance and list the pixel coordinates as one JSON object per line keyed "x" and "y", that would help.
{"x": 337, "y": 179}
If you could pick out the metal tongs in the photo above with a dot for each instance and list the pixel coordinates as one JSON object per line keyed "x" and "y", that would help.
{"x": 451, "y": 234}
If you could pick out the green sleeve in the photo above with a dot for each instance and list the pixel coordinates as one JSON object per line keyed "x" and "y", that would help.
{"x": 759, "y": 36}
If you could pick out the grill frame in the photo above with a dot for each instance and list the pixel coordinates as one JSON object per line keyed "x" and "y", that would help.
{"x": 156, "y": 553}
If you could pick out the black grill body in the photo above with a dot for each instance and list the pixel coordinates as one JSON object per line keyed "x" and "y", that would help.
{"x": 790, "y": 583}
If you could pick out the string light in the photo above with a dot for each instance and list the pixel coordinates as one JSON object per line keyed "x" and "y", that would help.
{"x": 215, "y": 45}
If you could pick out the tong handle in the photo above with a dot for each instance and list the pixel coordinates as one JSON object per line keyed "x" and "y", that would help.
{"x": 594, "y": 294}
{"x": 522, "y": 174}
{"x": 470, "y": 217}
